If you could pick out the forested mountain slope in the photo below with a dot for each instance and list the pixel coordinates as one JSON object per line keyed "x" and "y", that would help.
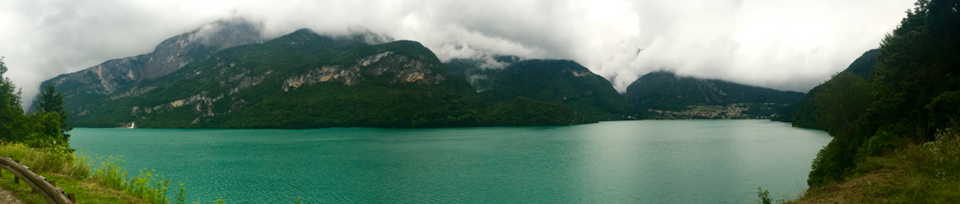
{"x": 803, "y": 113}
{"x": 558, "y": 81}
{"x": 664, "y": 94}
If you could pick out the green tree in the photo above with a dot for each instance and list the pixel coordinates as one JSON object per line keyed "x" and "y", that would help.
{"x": 842, "y": 100}
{"x": 914, "y": 93}
{"x": 40, "y": 129}
{"x": 11, "y": 113}
{"x": 51, "y": 101}
{"x": 917, "y": 63}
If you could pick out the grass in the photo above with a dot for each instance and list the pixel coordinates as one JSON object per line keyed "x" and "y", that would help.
{"x": 58, "y": 160}
{"x": 147, "y": 185}
{"x": 86, "y": 191}
{"x": 917, "y": 173}
{"x": 108, "y": 182}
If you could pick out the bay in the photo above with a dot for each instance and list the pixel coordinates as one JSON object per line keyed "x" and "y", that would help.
{"x": 683, "y": 161}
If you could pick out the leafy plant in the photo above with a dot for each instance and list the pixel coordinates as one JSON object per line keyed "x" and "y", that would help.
{"x": 764, "y": 196}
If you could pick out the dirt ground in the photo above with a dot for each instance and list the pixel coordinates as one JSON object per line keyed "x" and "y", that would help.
{"x": 8, "y": 198}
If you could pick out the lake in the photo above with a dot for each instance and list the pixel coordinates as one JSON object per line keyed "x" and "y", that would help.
{"x": 683, "y": 161}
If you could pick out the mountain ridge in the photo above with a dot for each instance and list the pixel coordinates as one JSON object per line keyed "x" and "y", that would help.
{"x": 666, "y": 95}
{"x": 553, "y": 80}
{"x": 95, "y": 82}
{"x": 307, "y": 80}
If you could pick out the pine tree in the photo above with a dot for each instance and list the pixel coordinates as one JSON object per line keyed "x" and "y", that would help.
{"x": 51, "y": 101}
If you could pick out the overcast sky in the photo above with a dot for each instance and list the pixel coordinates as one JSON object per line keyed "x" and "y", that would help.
{"x": 781, "y": 44}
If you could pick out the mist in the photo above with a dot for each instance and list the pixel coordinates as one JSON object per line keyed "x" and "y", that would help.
{"x": 785, "y": 44}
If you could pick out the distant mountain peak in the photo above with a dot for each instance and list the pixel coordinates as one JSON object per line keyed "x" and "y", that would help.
{"x": 176, "y": 52}
{"x": 167, "y": 57}
{"x": 227, "y": 31}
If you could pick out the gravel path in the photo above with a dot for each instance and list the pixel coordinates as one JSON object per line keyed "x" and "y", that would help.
{"x": 7, "y": 197}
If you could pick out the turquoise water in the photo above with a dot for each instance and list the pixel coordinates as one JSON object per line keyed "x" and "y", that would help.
{"x": 690, "y": 161}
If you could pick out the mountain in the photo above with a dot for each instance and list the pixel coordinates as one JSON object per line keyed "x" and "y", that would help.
{"x": 802, "y": 113}
{"x": 307, "y": 80}
{"x": 863, "y": 65}
{"x": 502, "y": 78}
{"x": 92, "y": 84}
{"x": 663, "y": 94}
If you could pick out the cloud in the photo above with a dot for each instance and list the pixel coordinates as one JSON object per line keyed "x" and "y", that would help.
{"x": 783, "y": 44}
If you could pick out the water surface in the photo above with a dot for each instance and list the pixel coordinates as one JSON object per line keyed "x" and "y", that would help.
{"x": 689, "y": 161}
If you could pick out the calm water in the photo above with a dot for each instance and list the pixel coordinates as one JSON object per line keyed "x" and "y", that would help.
{"x": 705, "y": 161}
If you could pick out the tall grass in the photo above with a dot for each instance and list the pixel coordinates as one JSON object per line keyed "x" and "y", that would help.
{"x": 57, "y": 160}
{"x": 148, "y": 185}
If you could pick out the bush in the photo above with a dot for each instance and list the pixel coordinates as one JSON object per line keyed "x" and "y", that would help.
{"x": 880, "y": 143}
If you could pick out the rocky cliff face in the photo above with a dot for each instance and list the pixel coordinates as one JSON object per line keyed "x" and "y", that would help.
{"x": 300, "y": 80}
{"x": 174, "y": 53}
{"x": 169, "y": 56}
{"x": 411, "y": 70}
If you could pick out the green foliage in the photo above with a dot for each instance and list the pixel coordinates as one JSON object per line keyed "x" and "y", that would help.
{"x": 182, "y": 194}
{"x": 39, "y": 129}
{"x": 913, "y": 93}
{"x": 830, "y": 164}
{"x": 764, "y": 196}
{"x": 944, "y": 110}
{"x": 881, "y": 143}
{"x": 915, "y": 173}
{"x": 148, "y": 185}
{"x": 841, "y": 101}
{"x": 114, "y": 175}
{"x": 56, "y": 159}
{"x": 37, "y": 140}
{"x": 51, "y": 101}
{"x": 71, "y": 170}
{"x": 803, "y": 113}
{"x": 10, "y": 110}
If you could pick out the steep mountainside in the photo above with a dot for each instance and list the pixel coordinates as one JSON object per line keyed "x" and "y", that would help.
{"x": 863, "y": 65}
{"x": 94, "y": 83}
{"x": 305, "y": 80}
{"x": 558, "y": 81}
{"x": 802, "y": 113}
{"x": 665, "y": 95}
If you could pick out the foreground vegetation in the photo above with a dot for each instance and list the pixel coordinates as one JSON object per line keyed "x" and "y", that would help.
{"x": 108, "y": 182}
{"x": 39, "y": 140}
{"x": 925, "y": 173}
{"x": 894, "y": 127}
